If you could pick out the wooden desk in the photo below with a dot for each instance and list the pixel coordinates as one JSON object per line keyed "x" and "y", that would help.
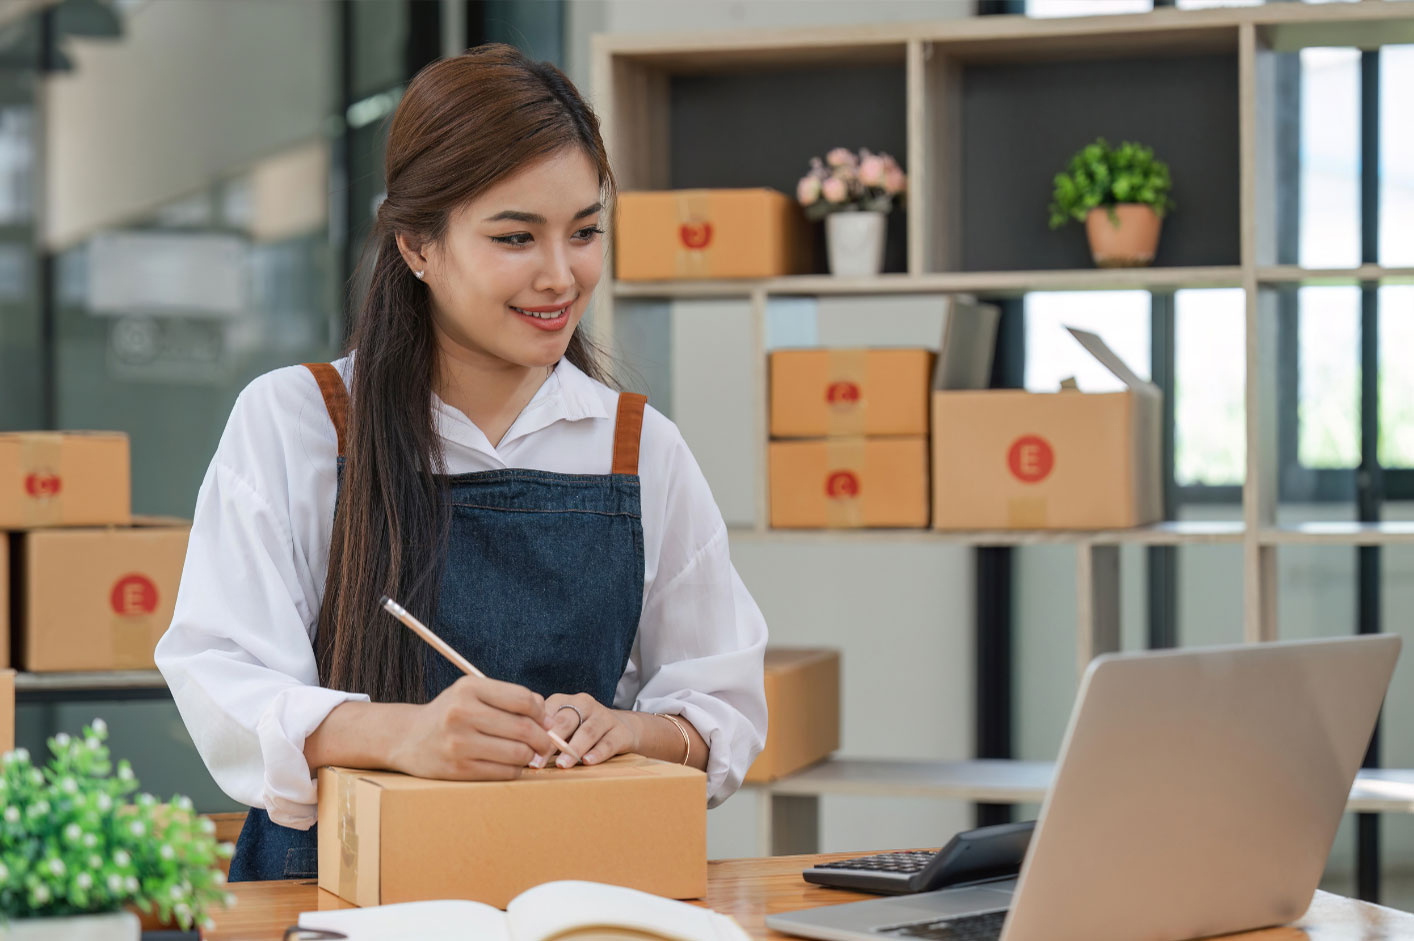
{"x": 750, "y": 889}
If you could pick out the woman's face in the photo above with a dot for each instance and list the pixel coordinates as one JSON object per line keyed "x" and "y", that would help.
{"x": 513, "y": 273}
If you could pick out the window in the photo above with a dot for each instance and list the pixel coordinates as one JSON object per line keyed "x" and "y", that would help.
{"x": 1328, "y": 406}
{"x": 1396, "y": 157}
{"x": 1330, "y": 158}
{"x": 1396, "y": 448}
{"x": 1121, "y": 318}
{"x": 1049, "y": 8}
{"x": 1210, "y": 329}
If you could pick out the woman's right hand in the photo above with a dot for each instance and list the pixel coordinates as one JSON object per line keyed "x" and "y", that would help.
{"x": 478, "y": 729}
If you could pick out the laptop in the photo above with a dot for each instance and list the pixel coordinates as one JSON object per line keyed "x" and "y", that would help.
{"x": 1197, "y": 793}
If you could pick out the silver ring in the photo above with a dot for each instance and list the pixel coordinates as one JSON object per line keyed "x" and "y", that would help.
{"x": 576, "y": 712}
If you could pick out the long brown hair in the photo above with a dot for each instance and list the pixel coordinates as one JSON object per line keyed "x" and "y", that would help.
{"x": 464, "y": 124}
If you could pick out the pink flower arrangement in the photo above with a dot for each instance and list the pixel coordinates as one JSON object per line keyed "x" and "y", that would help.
{"x": 848, "y": 182}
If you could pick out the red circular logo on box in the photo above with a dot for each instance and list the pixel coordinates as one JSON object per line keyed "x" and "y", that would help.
{"x": 1031, "y": 459}
{"x": 695, "y": 234}
{"x": 842, "y": 393}
{"x": 842, "y": 485}
{"x": 133, "y": 595}
{"x": 43, "y": 484}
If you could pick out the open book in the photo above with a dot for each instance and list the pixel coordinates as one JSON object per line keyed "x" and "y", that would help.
{"x": 562, "y": 911}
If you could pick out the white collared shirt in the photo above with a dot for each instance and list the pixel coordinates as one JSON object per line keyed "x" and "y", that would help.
{"x": 239, "y": 656}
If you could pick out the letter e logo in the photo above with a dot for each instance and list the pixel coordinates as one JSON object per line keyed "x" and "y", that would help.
{"x": 1031, "y": 459}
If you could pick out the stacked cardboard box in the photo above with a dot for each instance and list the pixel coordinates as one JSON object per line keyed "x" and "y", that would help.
{"x": 850, "y": 444}
{"x": 87, "y": 586}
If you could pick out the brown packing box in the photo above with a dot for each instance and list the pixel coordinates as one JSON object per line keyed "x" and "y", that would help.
{"x": 70, "y": 478}
{"x": 803, "y": 701}
{"x": 829, "y": 392}
{"x": 1011, "y": 459}
{"x": 841, "y": 483}
{"x": 7, "y": 710}
{"x": 4, "y": 600}
{"x": 694, "y": 234}
{"x": 96, "y": 599}
{"x": 632, "y": 821}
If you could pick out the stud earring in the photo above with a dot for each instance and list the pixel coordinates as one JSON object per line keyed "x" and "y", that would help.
{"x": 417, "y": 275}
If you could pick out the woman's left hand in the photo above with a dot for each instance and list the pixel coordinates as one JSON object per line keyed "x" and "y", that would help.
{"x": 593, "y": 731}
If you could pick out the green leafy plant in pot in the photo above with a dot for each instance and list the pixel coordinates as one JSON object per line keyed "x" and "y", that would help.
{"x": 1121, "y": 194}
{"x": 78, "y": 851}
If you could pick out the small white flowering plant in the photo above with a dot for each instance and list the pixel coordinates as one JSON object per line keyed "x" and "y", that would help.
{"x": 846, "y": 181}
{"x": 74, "y": 841}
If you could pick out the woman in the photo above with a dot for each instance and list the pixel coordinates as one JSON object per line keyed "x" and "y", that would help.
{"x": 467, "y": 459}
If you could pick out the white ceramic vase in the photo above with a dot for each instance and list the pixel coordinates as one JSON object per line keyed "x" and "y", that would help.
{"x": 109, "y": 926}
{"x": 855, "y": 241}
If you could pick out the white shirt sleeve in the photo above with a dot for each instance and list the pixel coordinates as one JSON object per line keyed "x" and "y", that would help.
{"x": 238, "y": 655}
{"x": 701, "y": 638}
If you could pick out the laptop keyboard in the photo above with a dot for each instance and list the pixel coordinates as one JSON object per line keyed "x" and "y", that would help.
{"x": 984, "y": 927}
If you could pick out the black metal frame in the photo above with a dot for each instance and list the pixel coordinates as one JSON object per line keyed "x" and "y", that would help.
{"x": 1370, "y": 480}
{"x": 995, "y": 664}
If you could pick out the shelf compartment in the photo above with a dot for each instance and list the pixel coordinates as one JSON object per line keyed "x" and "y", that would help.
{"x": 1039, "y": 114}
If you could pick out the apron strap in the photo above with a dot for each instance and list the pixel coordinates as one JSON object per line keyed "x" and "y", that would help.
{"x": 336, "y": 397}
{"x": 628, "y": 427}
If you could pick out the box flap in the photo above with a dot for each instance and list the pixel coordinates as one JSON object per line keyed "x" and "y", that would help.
{"x": 968, "y": 345}
{"x": 786, "y": 658}
{"x": 1107, "y": 358}
{"x": 621, "y": 766}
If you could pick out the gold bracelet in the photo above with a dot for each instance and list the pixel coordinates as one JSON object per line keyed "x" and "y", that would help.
{"x": 686, "y": 742}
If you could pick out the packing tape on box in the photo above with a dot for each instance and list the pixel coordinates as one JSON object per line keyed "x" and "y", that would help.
{"x": 41, "y": 454}
{"x": 133, "y": 641}
{"x": 694, "y": 218}
{"x": 844, "y": 482}
{"x": 846, "y": 394}
{"x": 1026, "y": 512}
{"x": 348, "y": 837}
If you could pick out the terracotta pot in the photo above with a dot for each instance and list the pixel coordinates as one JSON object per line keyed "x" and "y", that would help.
{"x": 1129, "y": 240}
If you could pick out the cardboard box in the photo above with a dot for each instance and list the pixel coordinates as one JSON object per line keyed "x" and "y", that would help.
{"x": 841, "y": 392}
{"x": 96, "y": 599}
{"x": 803, "y": 701}
{"x": 842, "y": 483}
{"x": 1011, "y": 459}
{"x": 631, "y": 821}
{"x": 7, "y": 710}
{"x": 70, "y": 478}
{"x": 4, "y": 600}
{"x": 696, "y": 234}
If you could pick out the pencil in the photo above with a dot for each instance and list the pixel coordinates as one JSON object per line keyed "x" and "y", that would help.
{"x": 446, "y": 650}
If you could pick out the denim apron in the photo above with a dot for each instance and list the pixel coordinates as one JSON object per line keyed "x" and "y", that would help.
{"x": 542, "y": 586}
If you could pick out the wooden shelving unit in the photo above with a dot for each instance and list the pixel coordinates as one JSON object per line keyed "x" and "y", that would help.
{"x": 946, "y": 97}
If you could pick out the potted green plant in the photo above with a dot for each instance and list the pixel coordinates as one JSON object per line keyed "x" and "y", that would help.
{"x": 78, "y": 852}
{"x": 853, "y": 193}
{"x": 1121, "y": 194}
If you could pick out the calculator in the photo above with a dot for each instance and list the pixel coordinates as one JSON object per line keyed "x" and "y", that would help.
{"x": 972, "y": 856}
